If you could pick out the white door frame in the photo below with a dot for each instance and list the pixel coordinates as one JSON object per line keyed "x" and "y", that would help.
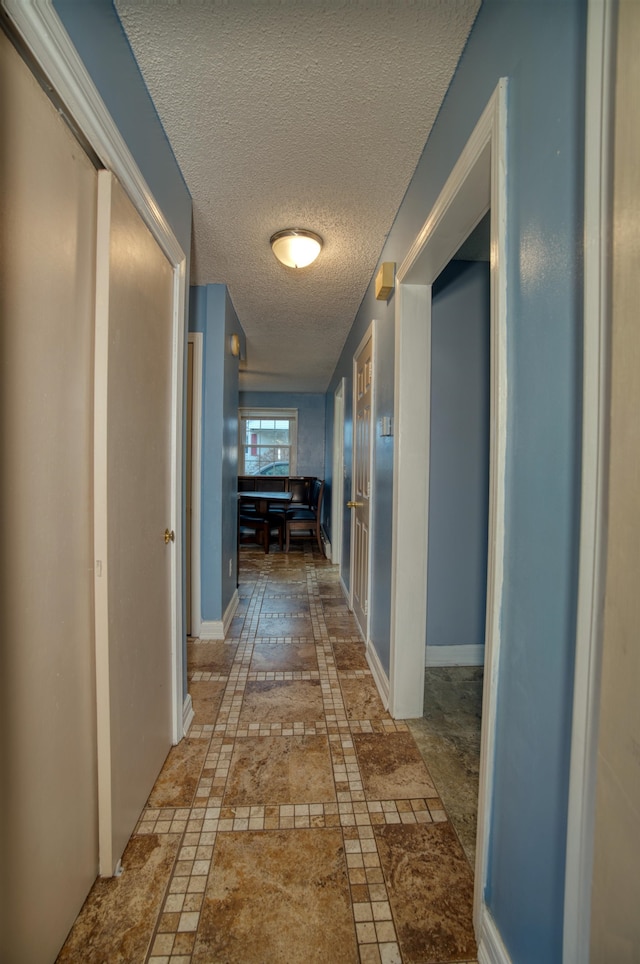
{"x": 476, "y": 184}
{"x": 337, "y": 480}
{"x": 196, "y": 338}
{"x": 370, "y": 333}
{"x": 595, "y": 411}
{"x": 45, "y": 36}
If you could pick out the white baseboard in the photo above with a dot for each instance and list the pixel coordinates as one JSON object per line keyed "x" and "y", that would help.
{"x": 217, "y": 628}
{"x": 211, "y": 629}
{"x": 380, "y": 677}
{"x": 455, "y": 656}
{"x": 196, "y": 626}
{"x": 347, "y": 594}
{"x": 491, "y": 949}
{"x": 187, "y": 714}
{"x": 230, "y": 611}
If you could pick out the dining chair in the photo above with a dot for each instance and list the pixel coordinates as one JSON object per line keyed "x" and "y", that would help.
{"x": 306, "y": 519}
{"x": 253, "y": 528}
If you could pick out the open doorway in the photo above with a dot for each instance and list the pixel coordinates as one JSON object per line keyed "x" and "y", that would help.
{"x": 476, "y": 184}
{"x": 449, "y": 731}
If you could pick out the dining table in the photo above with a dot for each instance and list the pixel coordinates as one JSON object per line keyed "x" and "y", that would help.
{"x": 264, "y": 500}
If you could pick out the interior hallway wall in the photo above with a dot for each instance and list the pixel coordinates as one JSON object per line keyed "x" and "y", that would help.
{"x": 540, "y": 49}
{"x": 211, "y": 313}
{"x": 311, "y": 424}
{"x": 459, "y": 457}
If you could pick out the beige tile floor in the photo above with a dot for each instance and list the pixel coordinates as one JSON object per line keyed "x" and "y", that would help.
{"x": 297, "y": 822}
{"x": 448, "y": 738}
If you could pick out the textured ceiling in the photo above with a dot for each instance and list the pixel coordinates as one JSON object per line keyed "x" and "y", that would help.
{"x": 295, "y": 113}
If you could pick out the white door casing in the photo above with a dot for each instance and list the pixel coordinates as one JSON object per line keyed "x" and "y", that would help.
{"x": 132, "y": 512}
{"x": 476, "y": 184}
{"x": 361, "y": 491}
{"x": 188, "y": 535}
{"x": 337, "y": 481}
{"x": 196, "y": 339}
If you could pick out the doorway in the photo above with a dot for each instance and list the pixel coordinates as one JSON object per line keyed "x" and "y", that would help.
{"x": 134, "y": 532}
{"x": 476, "y": 185}
{"x": 449, "y": 731}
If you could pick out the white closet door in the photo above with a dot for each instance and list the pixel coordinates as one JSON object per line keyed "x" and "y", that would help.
{"x": 134, "y": 323}
{"x": 48, "y": 792}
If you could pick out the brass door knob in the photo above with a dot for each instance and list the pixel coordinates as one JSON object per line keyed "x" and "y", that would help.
{"x": 169, "y": 536}
{"x": 354, "y": 505}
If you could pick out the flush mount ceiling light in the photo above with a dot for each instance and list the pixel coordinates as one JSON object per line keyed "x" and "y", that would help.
{"x": 296, "y": 247}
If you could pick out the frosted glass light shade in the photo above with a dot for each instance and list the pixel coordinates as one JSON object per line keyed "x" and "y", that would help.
{"x": 295, "y": 247}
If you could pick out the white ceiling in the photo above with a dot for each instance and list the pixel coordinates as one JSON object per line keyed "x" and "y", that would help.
{"x": 295, "y": 113}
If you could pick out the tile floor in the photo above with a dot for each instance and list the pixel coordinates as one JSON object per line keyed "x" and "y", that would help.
{"x": 449, "y": 739}
{"x": 298, "y": 821}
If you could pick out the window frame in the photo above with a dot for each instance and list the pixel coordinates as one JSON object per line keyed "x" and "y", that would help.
{"x": 282, "y": 414}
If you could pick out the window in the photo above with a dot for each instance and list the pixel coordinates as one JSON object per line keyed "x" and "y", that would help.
{"x": 267, "y": 441}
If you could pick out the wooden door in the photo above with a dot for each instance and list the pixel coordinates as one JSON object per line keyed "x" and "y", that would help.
{"x": 360, "y": 504}
{"x": 134, "y": 324}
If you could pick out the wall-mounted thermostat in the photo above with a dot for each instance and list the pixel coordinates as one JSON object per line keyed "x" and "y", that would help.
{"x": 386, "y": 425}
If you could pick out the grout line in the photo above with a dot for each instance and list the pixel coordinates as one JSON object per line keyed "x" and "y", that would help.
{"x": 201, "y": 824}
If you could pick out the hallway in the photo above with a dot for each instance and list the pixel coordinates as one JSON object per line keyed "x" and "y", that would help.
{"x": 297, "y": 822}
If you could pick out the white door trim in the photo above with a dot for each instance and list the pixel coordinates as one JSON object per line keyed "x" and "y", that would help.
{"x": 337, "y": 481}
{"x": 369, "y": 334}
{"x": 196, "y": 338}
{"x": 595, "y": 399}
{"x": 45, "y": 36}
{"x": 476, "y": 184}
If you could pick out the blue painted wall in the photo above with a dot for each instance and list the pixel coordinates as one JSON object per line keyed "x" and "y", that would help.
{"x": 211, "y": 313}
{"x": 97, "y": 34}
{"x": 540, "y": 47}
{"x": 459, "y": 456}
{"x": 311, "y": 425}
